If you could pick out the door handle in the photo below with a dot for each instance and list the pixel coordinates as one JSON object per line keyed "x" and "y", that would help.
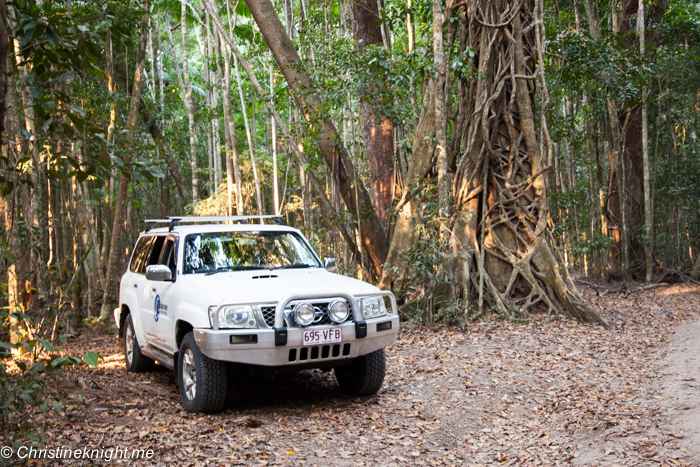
{"x": 154, "y": 289}
{"x": 136, "y": 285}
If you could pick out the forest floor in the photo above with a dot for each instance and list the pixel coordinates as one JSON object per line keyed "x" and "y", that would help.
{"x": 491, "y": 393}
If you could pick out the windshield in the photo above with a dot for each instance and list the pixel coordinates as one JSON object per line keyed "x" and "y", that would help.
{"x": 235, "y": 251}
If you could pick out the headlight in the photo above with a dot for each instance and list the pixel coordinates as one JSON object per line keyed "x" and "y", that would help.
{"x": 338, "y": 311}
{"x": 239, "y": 316}
{"x": 372, "y": 307}
{"x": 304, "y": 314}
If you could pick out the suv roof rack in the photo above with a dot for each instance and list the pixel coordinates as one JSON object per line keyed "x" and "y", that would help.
{"x": 174, "y": 220}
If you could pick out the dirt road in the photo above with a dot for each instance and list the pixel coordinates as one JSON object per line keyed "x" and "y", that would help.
{"x": 491, "y": 393}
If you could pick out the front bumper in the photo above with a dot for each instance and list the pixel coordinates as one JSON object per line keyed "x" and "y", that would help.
{"x": 257, "y": 346}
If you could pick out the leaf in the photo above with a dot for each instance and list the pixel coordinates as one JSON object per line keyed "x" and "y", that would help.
{"x": 92, "y": 359}
{"x": 51, "y": 36}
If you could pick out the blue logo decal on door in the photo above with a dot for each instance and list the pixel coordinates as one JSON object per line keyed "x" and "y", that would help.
{"x": 156, "y": 310}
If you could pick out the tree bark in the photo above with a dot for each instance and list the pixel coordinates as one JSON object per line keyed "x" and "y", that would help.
{"x": 440, "y": 110}
{"x": 233, "y": 168}
{"x": 111, "y": 284}
{"x": 648, "y": 214}
{"x": 3, "y": 67}
{"x": 378, "y": 131}
{"x": 249, "y": 136}
{"x": 189, "y": 101}
{"x": 329, "y": 141}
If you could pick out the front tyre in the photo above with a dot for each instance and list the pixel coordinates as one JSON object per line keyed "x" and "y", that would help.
{"x": 202, "y": 380}
{"x": 136, "y": 362}
{"x": 364, "y": 376}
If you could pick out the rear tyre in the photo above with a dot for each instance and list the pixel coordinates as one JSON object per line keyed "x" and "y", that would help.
{"x": 364, "y": 376}
{"x": 202, "y": 380}
{"x": 136, "y": 362}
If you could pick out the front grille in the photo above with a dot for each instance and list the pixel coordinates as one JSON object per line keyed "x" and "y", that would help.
{"x": 326, "y": 351}
{"x": 268, "y": 313}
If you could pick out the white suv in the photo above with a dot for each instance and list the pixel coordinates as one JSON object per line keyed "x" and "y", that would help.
{"x": 199, "y": 293}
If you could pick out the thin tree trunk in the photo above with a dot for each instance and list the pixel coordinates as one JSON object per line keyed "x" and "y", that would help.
{"x": 214, "y": 105}
{"x": 189, "y": 101}
{"x": 440, "y": 110}
{"x": 249, "y": 136}
{"x": 3, "y": 67}
{"x": 273, "y": 147}
{"x": 10, "y": 209}
{"x": 32, "y": 211}
{"x": 234, "y": 174}
{"x": 111, "y": 284}
{"x": 648, "y": 214}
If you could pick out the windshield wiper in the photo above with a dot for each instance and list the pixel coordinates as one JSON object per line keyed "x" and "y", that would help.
{"x": 233, "y": 268}
{"x": 293, "y": 266}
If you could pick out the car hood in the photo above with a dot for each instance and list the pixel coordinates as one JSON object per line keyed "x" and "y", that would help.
{"x": 267, "y": 286}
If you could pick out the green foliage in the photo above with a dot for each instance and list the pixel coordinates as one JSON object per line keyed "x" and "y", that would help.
{"x": 24, "y": 368}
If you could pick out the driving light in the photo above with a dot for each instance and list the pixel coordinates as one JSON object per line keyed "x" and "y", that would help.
{"x": 241, "y": 316}
{"x": 373, "y": 307}
{"x": 304, "y": 314}
{"x": 338, "y": 311}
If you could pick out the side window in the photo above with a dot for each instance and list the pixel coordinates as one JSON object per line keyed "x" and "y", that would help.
{"x": 143, "y": 246}
{"x": 154, "y": 254}
{"x": 167, "y": 256}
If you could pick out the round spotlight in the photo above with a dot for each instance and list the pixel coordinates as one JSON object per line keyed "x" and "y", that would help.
{"x": 304, "y": 313}
{"x": 339, "y": 311}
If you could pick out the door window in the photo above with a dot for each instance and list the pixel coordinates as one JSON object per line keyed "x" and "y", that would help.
{"x": 143, "y": 247}
{"x": 167, "y": 256}
{"x": 148, "y": 251}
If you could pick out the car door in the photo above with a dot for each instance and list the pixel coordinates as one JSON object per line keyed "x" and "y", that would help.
{"x": 146, "y": 299}
{"x": 161, "y": 327}
{"x": 136, "y": 278}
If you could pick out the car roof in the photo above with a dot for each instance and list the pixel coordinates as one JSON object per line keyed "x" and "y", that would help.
{"x": 185, "y": 229}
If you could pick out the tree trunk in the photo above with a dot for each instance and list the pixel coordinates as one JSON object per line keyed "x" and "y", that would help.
{"x": 404, "y": 236}
{"x": 233, "y": 168}
{"x": 628, "y": 207}
{"x": 648, "y": 214}
{"x": 502, "y": 248}
{"x": 378, "y": 130}
{"x": 10, "y": 208}
{"x": 249, "y": 136}
{"x": 330, "y": 144}
{"x": 3, "y": 67}
{"x": 440, "y": 109}
{"x": 189, "y": 101}
{"x": 111, "y": 284}
{"x": 273, "y": 151}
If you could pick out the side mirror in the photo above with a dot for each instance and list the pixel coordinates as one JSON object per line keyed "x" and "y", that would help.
{"x": 159, "y": 272}
{"x": 330, "y": 264}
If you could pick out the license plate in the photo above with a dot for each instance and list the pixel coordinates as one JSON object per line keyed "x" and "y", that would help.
{"x": 321, "y": 336}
